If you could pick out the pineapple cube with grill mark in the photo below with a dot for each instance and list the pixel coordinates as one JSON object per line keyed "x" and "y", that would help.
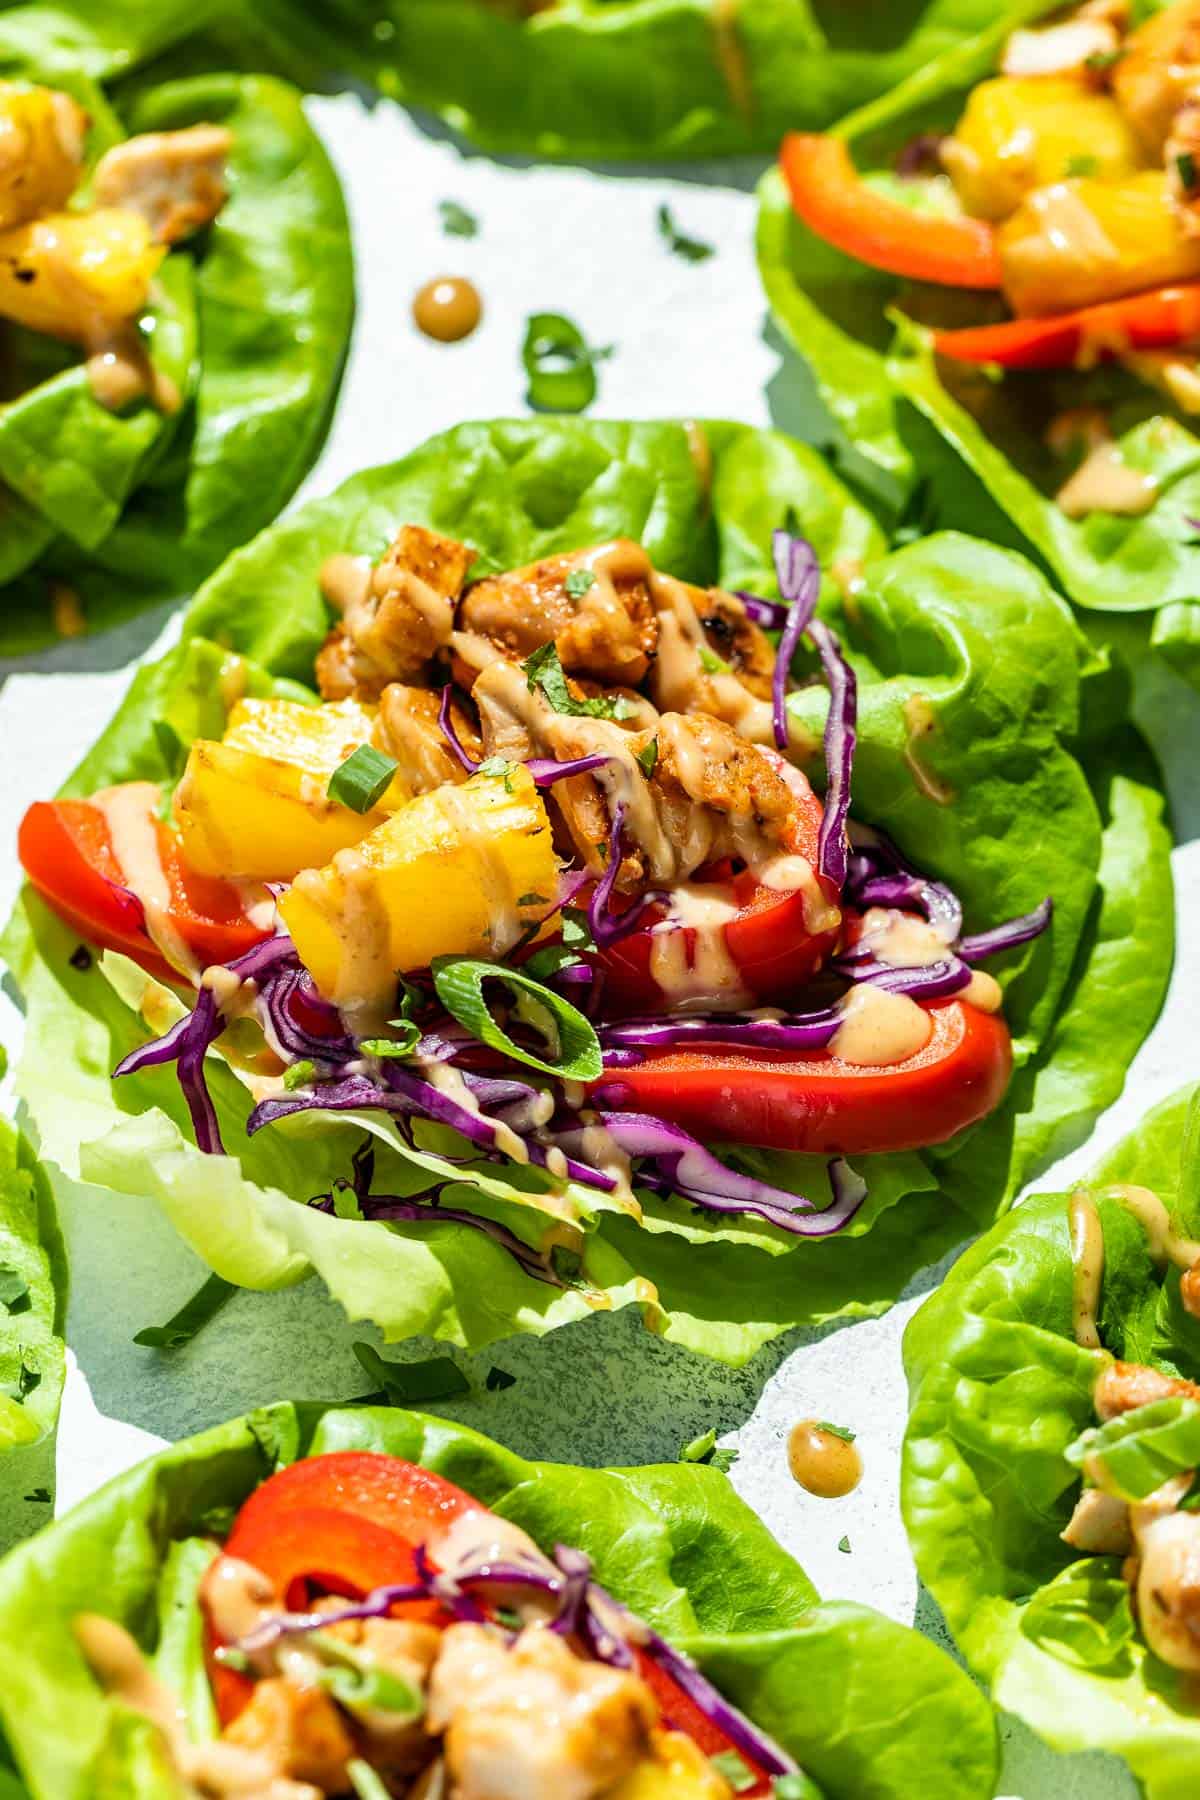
{"x": 77, "y": 276}
{"x": 462, "y": 870}
{"x": 42, "y": 135}
{"x": 1079, "y": 242}
{"x": 255, "y": 805}
{"x": 1024, "y": 132}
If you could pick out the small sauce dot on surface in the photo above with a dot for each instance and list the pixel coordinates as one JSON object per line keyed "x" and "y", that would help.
{"x": 823, "y": 1463}
{"x": 447, "y": 308}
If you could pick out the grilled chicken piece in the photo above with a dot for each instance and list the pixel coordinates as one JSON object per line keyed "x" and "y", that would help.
{"x": 174, "y": 179}
{"x": 704, "y": 761}
{"x": 1099, "y": 1525}
{"x": 699, "y": 631}
{"x": 1182, "y": 156}
{"x": 534, "y": 1722}
{"x": 1125, "y": 1386}
{"x": 605, "y": 629}
{"x": 395, "y": 617}
{"x": 1166, "y": 1574}
{"x": 1158, "y": 68}
{"x": 408, "y": 729}
{"x": 300, "y": 1729}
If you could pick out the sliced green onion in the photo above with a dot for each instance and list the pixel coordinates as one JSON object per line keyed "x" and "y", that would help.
{"x": 413, "y": 1383}
{"x": 356, "y": 1680}
{"x": 648, "y": 758}
{"x": 366, "y": 1782}
{"x": 560, "y": 364}
{"x": 711, "y": 663}
{"x": 299, "y": 1074}
{"x": 459, "y": 981}
{"x": 363, "y": 779}
{"x": 402, "y": 1045}
{"x": 182, "y": 1326}
{"x": 737, "y": 1773}
{"x": 795, "y": 1787}
{"x": 578, "y": 582}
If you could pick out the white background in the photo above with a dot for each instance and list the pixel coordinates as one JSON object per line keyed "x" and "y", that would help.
{"x": 689, "y": 340}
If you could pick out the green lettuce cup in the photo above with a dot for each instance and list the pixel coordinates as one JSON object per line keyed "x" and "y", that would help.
{"x": 33, "y": 1297}
{"x": 116, "y": 494}
{"x": 624, "y": 78}
{"x": 981, "y": 447}
{"x": 866, "y": 1707}
{"x": 1026, "y": 1424}
{"x": 1026, "y": 781}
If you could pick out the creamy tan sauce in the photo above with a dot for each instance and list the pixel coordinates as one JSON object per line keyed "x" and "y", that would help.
{"x": 1087, "y": 1267}
{"x": 823, "y": 1463}
{"x": 448, "y": 308}
{"x": 1104, "y": 482}
{"x": 120, "y": 371}
{"x": 345, "y": 581}
{"x": 449, "y": 1081}
{"x": 1174, "y": 374}
{"x": 902, "y": 940}
{"x": 366, "y": 980}
{"x": 879, "y": 1028}
{"x": 983, "y": 991}
{"x": 237, "y": 1595}
{"x": 689, "y": 957}
{"x": 921, "y": 721}
{"x": 129, "y": 812}
{"x": 66, "y": 610}
{"x": 1165, "y": 1244}
{"x": 679, "y": 681}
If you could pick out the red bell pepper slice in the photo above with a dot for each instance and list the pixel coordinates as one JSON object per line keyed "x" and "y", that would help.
{"x": 812, "y": 1101}
{"x": 1157, "y": 320}
{"x": 834, "y": 202}
{"x": 66, "y": 850}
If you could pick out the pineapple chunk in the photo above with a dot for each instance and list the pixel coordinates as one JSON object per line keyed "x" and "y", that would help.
{"x": 1157, "y": 70}
{"x": 1020, "y": 133}
{"x": 255, "y": 805}
{"x": 41, "y": 150}
{"x": 77, "y": 276}
{"x": 679, "y": 1770}
{"x": 463, "y": 869}
{"x": 1080, "y": 242}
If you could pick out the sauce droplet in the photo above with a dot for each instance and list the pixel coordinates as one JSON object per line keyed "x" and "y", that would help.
{"x": 447, "y": 308}
{"x": 823, "y": 1462}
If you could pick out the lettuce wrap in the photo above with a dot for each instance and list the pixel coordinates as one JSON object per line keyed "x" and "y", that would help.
{"x": 1000, "y": 1393}
{"x": 33, "y": 1296}
{"x": 958, "y": 444}
{"x": 627, "y": 78}
{"x": 1025, "y": 780}
{"x": 868, "y": 1708}
{"x": 104, "y": 511}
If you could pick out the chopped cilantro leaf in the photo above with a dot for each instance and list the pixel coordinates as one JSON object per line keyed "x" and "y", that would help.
{"x": 648, "y": 758}
{"x": 456, "y": 220}
{"x": 578, "y": 582}
{"x": 842, "y": 1431}
{"x": 544, "y": 670}
{"x": 691, "y": 249}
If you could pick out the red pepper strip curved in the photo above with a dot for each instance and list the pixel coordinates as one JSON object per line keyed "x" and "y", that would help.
{"x": 814, "y": 1102}
{"x": 352, "y": 1520}
{"x": 1152, "y": 321}
{"x": 833, "y": 201}
{"x": 66, "y": 850}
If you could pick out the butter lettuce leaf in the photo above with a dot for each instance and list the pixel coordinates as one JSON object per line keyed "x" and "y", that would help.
{"x": 999, "y": 1394}
{"x": 864, "y": 1704}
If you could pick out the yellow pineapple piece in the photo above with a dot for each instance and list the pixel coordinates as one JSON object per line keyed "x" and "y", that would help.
{"x": 77, "y": 276}
{"x": 678, "y": 1770}
{"x": 255, "y": 805}
{"x": 1023, "y": 132}
{"x": 461, "y": 870}
{"x": 41, "y": 150}
{"x": 1080, "y": 242}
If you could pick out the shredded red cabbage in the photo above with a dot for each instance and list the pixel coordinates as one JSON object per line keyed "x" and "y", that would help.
{"x": 799, "y": 1031}
{"x": 680, "y": 1164}
{"x": 608, "y": 927}
{"x": 1009, "y": 935}
{"x": 799, "y": 576}
{"x": 840, "y": 739}
{"x": 770, "y": 614}
{"x": 920, "y": 981}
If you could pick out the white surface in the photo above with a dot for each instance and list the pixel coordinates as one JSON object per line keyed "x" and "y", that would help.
{"x": 689, "y": 340}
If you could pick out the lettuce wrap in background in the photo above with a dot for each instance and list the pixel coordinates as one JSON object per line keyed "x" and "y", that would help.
{"x": 1000, "y": 1393}
{"x": 626, "y": 78}
{"x": 941, "y": 442}
{"x": 868, "y": 1708}
{"x": 106, "y": 510}
{"x": 33, "y": 1296}
{"x": 1024, "y": 779}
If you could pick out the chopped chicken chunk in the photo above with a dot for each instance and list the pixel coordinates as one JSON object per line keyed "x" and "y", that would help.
{"x": 395, "y": 617}
{"x": 174, "y": 179}
{"x": 736, "y": 639}
{"x": 711, "y": 659}
{"x": 594, "y": 605}
{"x": 1125, "y": 1386}
{"x": 706, "y": 761}
{"x": 1168, "y": 1576}
{"x": 299, "y": 1728}
{"x": 409, "y": 730}
{"x": 534, "y": 1722}
{"x": 1158, "y": 66}
{"x": 1099, "y": 1525}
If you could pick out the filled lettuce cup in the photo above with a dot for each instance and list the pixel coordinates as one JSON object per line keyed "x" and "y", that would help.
{"x": 33, "y": 1296}
{"x": 1050, "y": 1460}
{"x": 364, "y": 1601}
{"x": 452, "y": 912}
{"x": 176, "y": 293}
{"x": 1003, "y": 249}
{"x": 625, "y": 78}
